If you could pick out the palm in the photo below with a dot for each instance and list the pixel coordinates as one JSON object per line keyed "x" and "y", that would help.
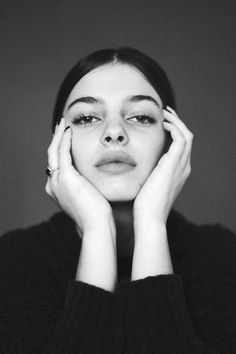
{"x": 78, "y": 194}
{"x": 155, "y": 189}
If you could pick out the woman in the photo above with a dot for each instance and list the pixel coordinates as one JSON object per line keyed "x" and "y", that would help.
{"x": 118, "y": 270}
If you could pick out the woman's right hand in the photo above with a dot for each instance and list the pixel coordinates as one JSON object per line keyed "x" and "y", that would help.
{"x": 71, "y": 191}
{"x": 88, "y": 208}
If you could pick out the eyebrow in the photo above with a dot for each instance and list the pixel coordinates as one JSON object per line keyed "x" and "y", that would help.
{"x": 99, "y": 100}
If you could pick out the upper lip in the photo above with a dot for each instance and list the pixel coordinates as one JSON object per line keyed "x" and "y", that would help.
{"x": 116, "y": 156}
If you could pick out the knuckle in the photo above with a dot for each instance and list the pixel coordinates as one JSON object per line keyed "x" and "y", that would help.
{"x": 179, "y": 135}
{"x": 53, "y": 182}
{"x": 49, "y": 150}
{"x": 190, "y": 136}
{"x": 47, "y": 189}
{"x": 51, "y": 185}
{"x": 182, "y": 140}
{"x": 188, "y": 170}
{"x": 50, "y": 192}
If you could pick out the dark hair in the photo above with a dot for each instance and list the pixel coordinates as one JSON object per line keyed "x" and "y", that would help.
{"x": 146, "y": 65}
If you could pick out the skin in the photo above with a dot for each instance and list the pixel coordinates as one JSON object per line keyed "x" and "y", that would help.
{"x": 153, "y": 185}
{"x": 115, "y": 119}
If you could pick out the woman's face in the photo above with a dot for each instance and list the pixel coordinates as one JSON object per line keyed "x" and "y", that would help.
{"x": 116, "y": 119}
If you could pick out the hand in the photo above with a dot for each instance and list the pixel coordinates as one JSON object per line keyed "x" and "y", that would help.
{"x": 71, "y": 191}
{"x": 160, "y": 190}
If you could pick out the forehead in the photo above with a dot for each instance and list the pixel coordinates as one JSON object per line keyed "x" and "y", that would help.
{"x": 113, "y": 81}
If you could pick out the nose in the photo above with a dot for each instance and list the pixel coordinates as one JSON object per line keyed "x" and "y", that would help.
{"x": 114, "y": 133}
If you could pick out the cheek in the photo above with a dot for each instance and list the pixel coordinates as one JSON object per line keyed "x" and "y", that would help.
{"x": 80, "y": 153}
{"x": 155, "y": 150}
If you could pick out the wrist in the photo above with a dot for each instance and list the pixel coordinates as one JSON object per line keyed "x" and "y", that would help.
{"x": 151, "y": 214}
{"x": 150, "y": 234}
{"x": 145, "y": 222}
{"x": 151, "y": 255}
{"x": 99, "y": 226}
{"x": 97, "y": 262}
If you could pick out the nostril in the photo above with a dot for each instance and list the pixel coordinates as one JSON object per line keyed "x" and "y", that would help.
{"x": 120, "y": 138}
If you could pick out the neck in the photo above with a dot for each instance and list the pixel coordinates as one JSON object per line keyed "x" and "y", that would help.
{"x": 123, "y": 215}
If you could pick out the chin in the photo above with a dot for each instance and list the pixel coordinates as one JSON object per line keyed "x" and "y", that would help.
{"x": 117, "y": 188}
{"x": 119, "y": 198}
{"x": 119, "y": 195}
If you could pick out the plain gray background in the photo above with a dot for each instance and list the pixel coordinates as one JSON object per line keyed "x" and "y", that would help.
{"x": 193, "y": 40}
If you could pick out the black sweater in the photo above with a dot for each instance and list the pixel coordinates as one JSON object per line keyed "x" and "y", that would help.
{"x": 44, "y": 310}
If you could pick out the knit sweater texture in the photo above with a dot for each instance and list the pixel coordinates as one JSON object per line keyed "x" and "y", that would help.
{"x": 44, "y": 310}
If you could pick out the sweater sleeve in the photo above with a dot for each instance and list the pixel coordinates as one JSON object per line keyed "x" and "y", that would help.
{"x": 91, "y": 322}
{"x": 164, "y": 315}
{"x": 38, "y": 316}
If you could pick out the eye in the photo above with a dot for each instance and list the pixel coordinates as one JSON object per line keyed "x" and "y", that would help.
{"x": 85, "y": 120}
{"x": 144, "y": 119}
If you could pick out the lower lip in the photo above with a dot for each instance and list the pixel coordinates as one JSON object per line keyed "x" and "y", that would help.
{"x": 116, "y": 167}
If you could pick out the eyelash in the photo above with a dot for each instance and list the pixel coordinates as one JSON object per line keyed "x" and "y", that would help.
{"x": 150, "y": 120}
{"x": 79, "y": 119}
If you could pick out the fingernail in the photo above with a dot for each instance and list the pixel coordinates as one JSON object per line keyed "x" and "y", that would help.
{"x": 59, "y": 120}
{"x": 67, "y": 128}
{"x": 56, "y": 126}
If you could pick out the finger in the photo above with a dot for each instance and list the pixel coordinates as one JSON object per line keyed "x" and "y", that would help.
{"x": 179, "y": 149}
{"x": 171, "y": 110}
{"x": 65, "y": 148}
{"x": 176, "y": 156}
{"x": 178, "y": 145}
{"x": 53, "y": 160}
{"x": 56, "y": 129}
{"x": 172, "y": 117}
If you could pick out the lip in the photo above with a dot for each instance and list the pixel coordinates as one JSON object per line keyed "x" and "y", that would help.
{"x": 118, "y": 158}
{"x": 114, "y": 168}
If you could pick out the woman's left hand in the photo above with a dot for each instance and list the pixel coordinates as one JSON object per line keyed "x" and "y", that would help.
{"x": 160, "y": 190}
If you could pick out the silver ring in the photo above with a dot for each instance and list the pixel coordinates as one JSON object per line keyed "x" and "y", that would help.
{"x": 49, "y": 171}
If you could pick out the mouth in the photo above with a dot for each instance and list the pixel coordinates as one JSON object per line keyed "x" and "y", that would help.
{"x": 115, "y": 167}
{"x": 115, "y": 162}
{"x": 116, "y": 157}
